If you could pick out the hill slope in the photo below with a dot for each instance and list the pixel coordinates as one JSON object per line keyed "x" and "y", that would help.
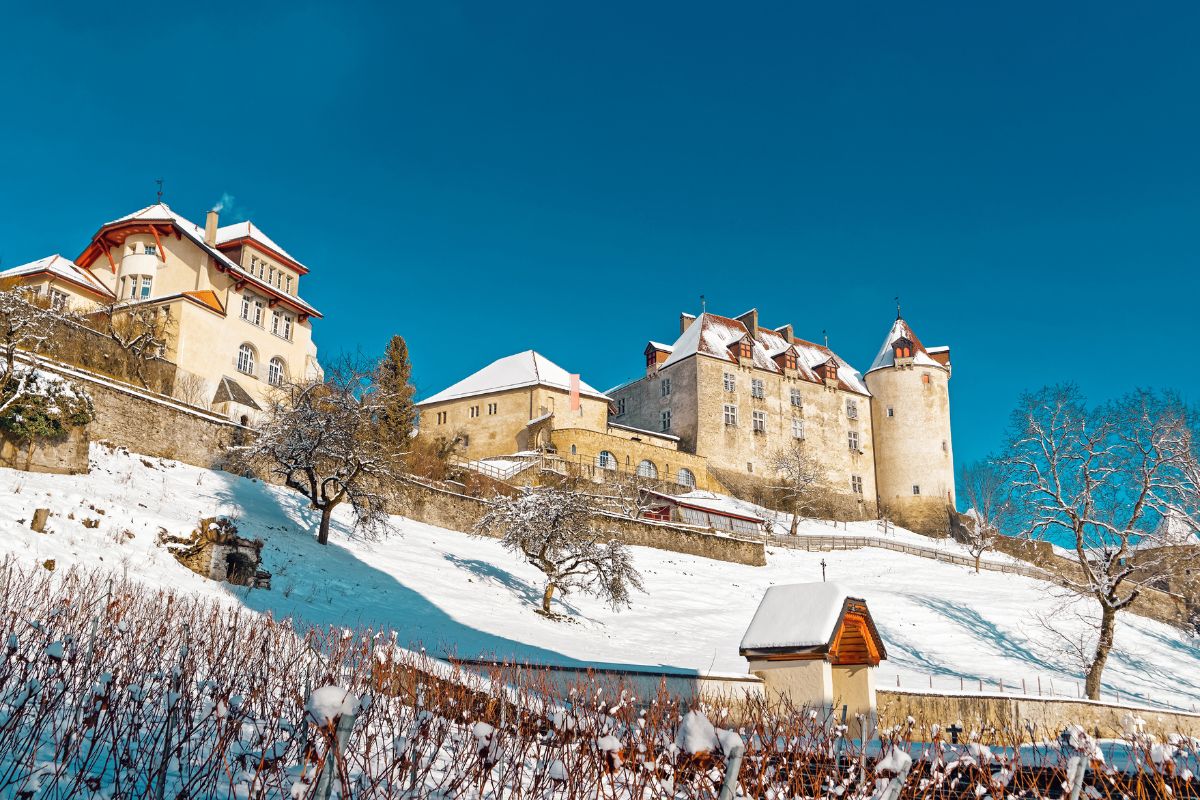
{"x": 454, "y": 593}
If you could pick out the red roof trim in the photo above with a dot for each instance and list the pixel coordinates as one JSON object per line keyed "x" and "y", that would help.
{"x": 266, "y": 251}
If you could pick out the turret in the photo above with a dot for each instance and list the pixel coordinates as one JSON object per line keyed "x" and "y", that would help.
{"x": 910, "y": 418}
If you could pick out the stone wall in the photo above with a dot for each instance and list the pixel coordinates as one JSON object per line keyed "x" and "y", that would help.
{"x": 66, "y": 457}
{"x": 458, "y": 512}
{"x": 150, "y": 424}
{"x": 1048, "y": 716}
{"x": 581, "y": 447}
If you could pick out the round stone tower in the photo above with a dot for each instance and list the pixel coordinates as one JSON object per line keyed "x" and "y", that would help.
{"x": 910, "y": 420}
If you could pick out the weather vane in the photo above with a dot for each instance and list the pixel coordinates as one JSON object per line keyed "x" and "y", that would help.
{"x": 159, "y": 181}
{"x": 897, "y": 299}
{"x": 703, "y": 305}
{"x": 825, "y": 333}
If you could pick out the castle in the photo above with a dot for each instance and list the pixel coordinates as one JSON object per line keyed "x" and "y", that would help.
{"x": 718, "y": 402}
{"x": 238, "y": 323}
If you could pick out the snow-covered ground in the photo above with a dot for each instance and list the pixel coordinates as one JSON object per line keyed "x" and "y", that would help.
{"x": 453, "y": 593}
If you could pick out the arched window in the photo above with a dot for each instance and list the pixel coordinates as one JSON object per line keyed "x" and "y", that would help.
{"x": 685, "y": 477}
{"x": 646, "y": 469}
{"x": 275, "y": 371}
{"x": 606, "y": 460}
{"x": 246, "y": 359}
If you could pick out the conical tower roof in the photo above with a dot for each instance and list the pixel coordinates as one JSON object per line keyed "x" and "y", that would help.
{"x": 887, "y": 352}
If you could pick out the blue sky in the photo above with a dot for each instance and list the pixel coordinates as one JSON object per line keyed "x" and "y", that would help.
{"x": 485, "y": 178}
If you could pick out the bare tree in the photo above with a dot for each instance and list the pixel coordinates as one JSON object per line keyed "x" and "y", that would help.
{"x": 193, "y": 390}
{"x": 1101, "y": 481}
{"x": 554, "y": 530}
{"x": 141, "y": 330}
{"x": 320, "y": 438}
{"x": 986, "y": 486}
{"x": 801, "y": 479}
{"x": 27, "y": 326}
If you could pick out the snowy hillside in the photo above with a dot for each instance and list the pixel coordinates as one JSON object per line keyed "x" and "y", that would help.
{"x": 453, "y": 593}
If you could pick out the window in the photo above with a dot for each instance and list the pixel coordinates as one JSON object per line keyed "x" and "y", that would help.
{"x": 493, "y": 408}
{"x": 441, "y": 418}
{"x": 797, "y": 398}
{"x": 758, "y": 420}
{"x": 797, "y": 429}
{"x": 133, "y": 286}
{"x": 252, "y": 310}
{"x": 288, "y": 279}
{"x": 58, "y": 300}
{"x": 856, "y": 484}
{"x": 473, "y": 412}
{"x": 151, "y": 249}
{"x": 730, "y": 415}
{"x": 916, "y": 489}
{"x": 749, "y": 467}
{"x": 666, "y": 386}
{"x": 756, "y": 388}
{"x": 147, "y": 280}
{"x": 852, "y": 438}
{"x": 666, "y": 420}
{"x": 281, "y": 324}
{"x": 685, "y": 477}
{"x": 271, "y": 276}
{"x": 573, "y": 450}
{"x": 730, "y": 382}
{"x": 245, "y": 359}
{"x": 606, "y": 460}
{"x": 945, "y": 446}
{"x": 620, "y": 406}
{"x": 646, "y": 469}
{"x": 891, "y": 412}
{"x": 925, "y": 378}
{"x": 852, "y": 409}
{"x": 275, "y": 371}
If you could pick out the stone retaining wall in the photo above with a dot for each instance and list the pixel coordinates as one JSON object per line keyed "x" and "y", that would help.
{"x": 447, "y": 509}
{"x": 1048, "y": 716}
{"x": 146, "y": 423}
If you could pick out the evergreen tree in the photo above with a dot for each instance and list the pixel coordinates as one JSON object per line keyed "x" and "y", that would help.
{"x": 398, "y": 416}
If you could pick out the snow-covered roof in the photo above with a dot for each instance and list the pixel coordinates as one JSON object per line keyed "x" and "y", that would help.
{"x": 60, "y": 267}
{"x": 660, "y": 346}
{"x": 713, "y": 335}
{"x": 161, "y": 212}
{"x": 796, "y": 615}
{"x": 901, "y": 330}
{"x": 248, "y": 230}
{"x": 513, "y": 372}
{"x": 710, "y": 502}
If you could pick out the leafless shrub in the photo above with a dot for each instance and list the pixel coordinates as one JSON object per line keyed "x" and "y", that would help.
{"x": 109, "y": 688}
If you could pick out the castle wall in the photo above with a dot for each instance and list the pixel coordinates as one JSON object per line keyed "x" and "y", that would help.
{"x": 506, "y": 430}
{"x": 581, "y": 447}
{"x": 913, "y": 446}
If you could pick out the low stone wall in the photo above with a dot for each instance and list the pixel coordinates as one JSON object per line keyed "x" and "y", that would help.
{"x": 1048, "y": 716}
{"x": 150, "y": 424}
{"x": 458, "y": 512}
{"x": 66, "y": 457}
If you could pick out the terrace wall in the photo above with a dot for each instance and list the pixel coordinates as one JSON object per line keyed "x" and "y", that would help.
{"x": 1016, "y": 713}
{"x": 446, "y": 509}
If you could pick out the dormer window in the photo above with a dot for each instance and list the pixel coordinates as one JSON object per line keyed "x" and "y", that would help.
{"x": 743, "y": 349}
{"x": 903, "y": 348}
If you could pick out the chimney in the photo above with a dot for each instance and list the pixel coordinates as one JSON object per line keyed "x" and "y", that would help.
{"x": 210, "y": 228}
{"x": 685, "y": 321}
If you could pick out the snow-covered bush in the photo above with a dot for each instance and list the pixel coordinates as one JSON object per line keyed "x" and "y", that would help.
{"x": 36, "y": 404}
{"x": 109, "y": 689}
